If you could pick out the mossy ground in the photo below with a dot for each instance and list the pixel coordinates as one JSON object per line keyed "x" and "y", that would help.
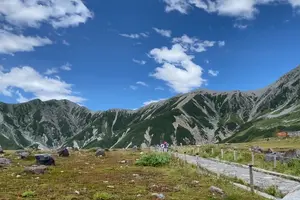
{"x": 90, "y": 176}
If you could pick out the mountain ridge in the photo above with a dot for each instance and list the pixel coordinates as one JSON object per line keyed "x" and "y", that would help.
{"x": 201, "y": 116}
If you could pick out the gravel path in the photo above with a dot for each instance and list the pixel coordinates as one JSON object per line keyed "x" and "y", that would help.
{"x": 261, "y": 180}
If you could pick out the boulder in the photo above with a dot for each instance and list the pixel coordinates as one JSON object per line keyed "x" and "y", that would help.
{"x": 216, "y": 190}
{"x": 100, "y": 152}
{"x": 293, "y": 153}
{"x": 22, "y": 154}
{"x": 134, "y": 148}
{"x": 63, "y": 152}
{"x": 4, "y": 162}
{"x": 44, "y": 159}
{"x": 36, "y": 169}
{"x": 269, "y": 157}
{"x": 293, "y": 195}
{"x": 256, "y": 149}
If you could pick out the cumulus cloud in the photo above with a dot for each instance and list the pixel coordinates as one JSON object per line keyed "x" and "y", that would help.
{"x": 32, "y": 13}
{"x": 140, "y": 62}
{"x": 193, "y": 44}
{"x": 30, "y": 81}
{"x": 152, "y": 101}
{"x": 177, "y": 70}
{"x": 142, "y": 83}
{"x": 213, "y": 73}
{"x": 11, "y": 43}
{"x": 246, "y": 9}
{"x": 66, "y": 67}
{"x": 165, "y": 33}
{"x": 135, "y": 35}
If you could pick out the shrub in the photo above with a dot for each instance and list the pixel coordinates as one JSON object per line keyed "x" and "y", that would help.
{"x": 154, "y": 159}
{"x": 273, "y": 190}
{"x": 102, "y": 196}
{"x": 28, "y": 194}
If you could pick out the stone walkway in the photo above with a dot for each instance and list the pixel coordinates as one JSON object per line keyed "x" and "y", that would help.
{"x": 261, "y": 180}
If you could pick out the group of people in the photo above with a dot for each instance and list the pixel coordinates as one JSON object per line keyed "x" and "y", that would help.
{"x": 163, "y": 147}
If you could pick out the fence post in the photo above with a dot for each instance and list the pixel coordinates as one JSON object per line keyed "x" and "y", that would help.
{"x": 252, "y": 153}
{"x": 185, "y": 158}
{"x": 275, "y": 162}
{"x": 234, "y": 155}
{"x": 212, "y": 151}
{"x": 251, "y": 178}
{"x": 222, "y": 154}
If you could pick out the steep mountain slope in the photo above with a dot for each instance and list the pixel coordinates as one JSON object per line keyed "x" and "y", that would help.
{"x": 197, "y": 117}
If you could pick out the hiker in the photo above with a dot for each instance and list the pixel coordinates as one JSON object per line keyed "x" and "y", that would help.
{"x": 162, "y": 147}
{"x": 63, "y": 152}
{"x": 44, "y": 159}
{"x": 166, "y": 146}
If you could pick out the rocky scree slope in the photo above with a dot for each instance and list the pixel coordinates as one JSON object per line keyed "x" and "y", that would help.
{"x": 197, "y": 117}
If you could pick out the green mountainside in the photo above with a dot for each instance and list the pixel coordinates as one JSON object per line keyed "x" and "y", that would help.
{"x": 193, "y": 118}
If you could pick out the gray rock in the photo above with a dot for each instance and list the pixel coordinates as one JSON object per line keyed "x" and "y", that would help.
{"x": 36, "y": 169}
{"x": 293, "y": 195}
{"x": 22, "y": 154}
{"x": 4, "y": 162}
{"x": 63, "y": 152}
{"x": 216, "y": 190}
{"x": 100, "y": 152}
{"x": 44, "y": 159}
{"x": 158, "y": 196}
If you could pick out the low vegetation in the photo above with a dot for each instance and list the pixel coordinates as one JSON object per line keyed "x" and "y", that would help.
{"x": 244, "y": 156}
{"x": 82, "y": 176}
{"x": 154, "y": 159}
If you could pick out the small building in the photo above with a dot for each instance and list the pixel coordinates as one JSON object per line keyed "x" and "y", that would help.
{"x": 282, "y": 134}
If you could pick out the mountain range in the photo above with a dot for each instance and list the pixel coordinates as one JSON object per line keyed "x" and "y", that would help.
{"x": 197, "y": 117}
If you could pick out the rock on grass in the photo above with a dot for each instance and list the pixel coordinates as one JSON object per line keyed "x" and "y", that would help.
{"x": 36, "y": 169}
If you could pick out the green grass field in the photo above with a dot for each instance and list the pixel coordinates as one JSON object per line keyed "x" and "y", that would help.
{"x": 82, "y": 176}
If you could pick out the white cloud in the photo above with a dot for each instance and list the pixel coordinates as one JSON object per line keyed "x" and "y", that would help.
{"x": 135, "y": 35}
{"x": 11, "y": 43}
{"x": 213, "y": 73}
{"x": 32, "y": 13}
{"x": 66, "y": 43}
{"x": 159, "y": 88}
{"x": 295, "y": 3}
{"x": 240, "y": 26}
{"x": 246, "y": 9}
{"x": 51, "y": 71}
{"x": 206, "y": 61}
{"x": 42, "y": 87}
{"x": 66, "y": 67}
{"x": 21, "y": 98}
{"x": 221, "y": 43}
{"x": 133, "y": 87}
{"x": 152, "y": 101}
{"x": 174, "y": 55}
{"x": 177, "y": 70}
{"x": 193, "y": 43}
{"x": 140, "y": 62}
{"x": 165, "y": 33}
{"x": 142, "y": 83}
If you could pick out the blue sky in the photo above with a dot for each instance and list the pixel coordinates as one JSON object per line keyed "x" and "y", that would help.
{"x": 124, "y": 54}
